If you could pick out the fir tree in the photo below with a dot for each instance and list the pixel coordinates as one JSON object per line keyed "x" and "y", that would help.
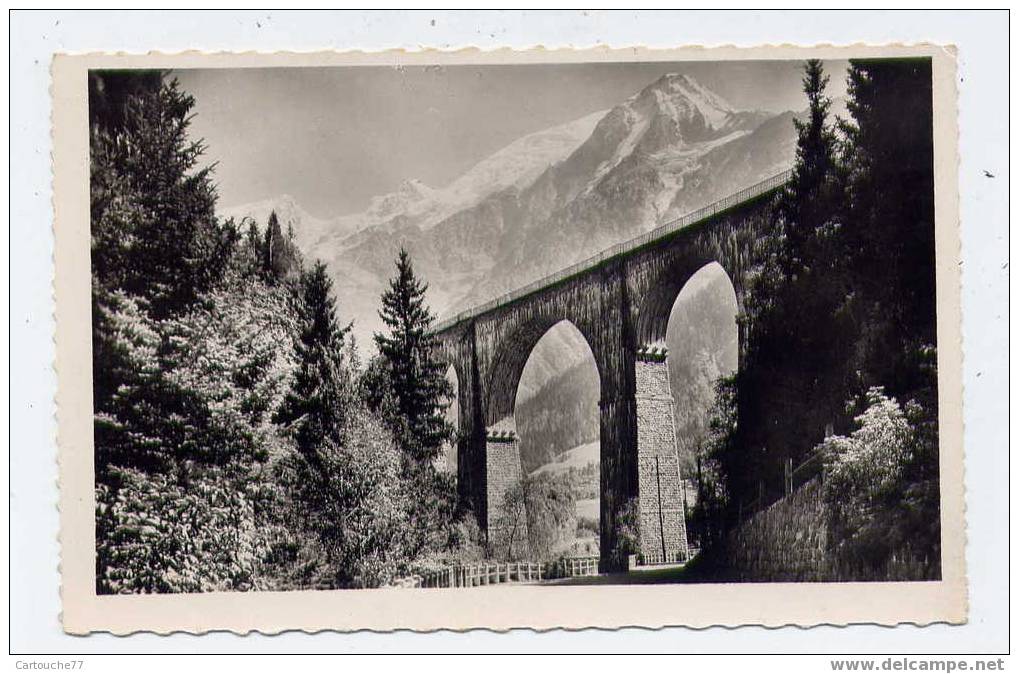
{"x": 154, "y": 229}
{"x": 270, "y": 243}
{"x": 891, "y": 204}
{"x": 253, "y": 243}
{"x": 320, "y": 395}
{"x": 790, "y": 383}
{"x": 280, "y": 259}
{"x": 417, "y": 378}
{"x": 809, "y": 199}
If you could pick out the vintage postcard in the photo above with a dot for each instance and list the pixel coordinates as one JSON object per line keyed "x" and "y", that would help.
{"x": 545, "y": 339}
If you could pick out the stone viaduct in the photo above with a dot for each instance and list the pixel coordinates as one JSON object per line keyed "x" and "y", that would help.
{"x": 620, "y": 301}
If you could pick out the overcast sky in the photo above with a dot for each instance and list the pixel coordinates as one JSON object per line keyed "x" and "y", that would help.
{"x": 335, "y": 137}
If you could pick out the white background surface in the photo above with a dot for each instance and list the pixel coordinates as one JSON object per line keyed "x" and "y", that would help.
{"x": 982, "y": 39}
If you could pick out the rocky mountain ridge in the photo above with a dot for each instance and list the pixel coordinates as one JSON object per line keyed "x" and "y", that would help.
{"x": 550, "y": 199}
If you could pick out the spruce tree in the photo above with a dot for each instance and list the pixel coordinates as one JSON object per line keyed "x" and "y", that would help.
{"x": 154, "y": 228}
{"x": 417, "y": 378}
{"x": 271, "y": 243}
{"x": 320, "y": 395}
{"x": 279, "y": 257}
{"x": 890, "y": 240}
{"x": 808, "y": 203}
{"x": 253, "y": 243}
{"x": 790, "y": 382}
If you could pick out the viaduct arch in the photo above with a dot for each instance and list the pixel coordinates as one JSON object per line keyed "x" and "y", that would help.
{"x": 620, "y": 301}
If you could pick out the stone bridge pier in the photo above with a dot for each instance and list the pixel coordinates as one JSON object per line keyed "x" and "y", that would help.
{"x": 620, "y": 301}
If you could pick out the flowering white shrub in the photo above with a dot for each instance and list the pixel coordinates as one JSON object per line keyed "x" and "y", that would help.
{"x": 869, "y": 461}
{"x": 881, "y": 510}
{"x": 863, "y": 468}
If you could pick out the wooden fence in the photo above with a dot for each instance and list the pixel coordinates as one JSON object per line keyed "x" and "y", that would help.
{"x": 676, "y": 556}
{"x": 574, "y": 566}
{"x": 476, "y": 575}
{"x": 794, "y": 478}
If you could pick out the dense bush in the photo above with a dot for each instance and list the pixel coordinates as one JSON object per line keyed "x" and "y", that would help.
{"x": 863, "y": 468}
{"x": 627, "y": 532}
{"x": 551, "y": 513}
{"x": 194, "y": 531}
{"x": 882, "y": 521}
{"x": 351, "y": 501}
{"x": 153, "y": 224}
{"x": 536, "y": 519}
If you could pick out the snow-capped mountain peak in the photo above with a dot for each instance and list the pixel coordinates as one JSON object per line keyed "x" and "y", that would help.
{"x": 691, "y": 96}
{"x": 405, "y": 200}
{"x": 552, "y": 198}
{"x": 285, "y": 206}
{"x": 415, "y": 204}
{"x": 672, "y": 112}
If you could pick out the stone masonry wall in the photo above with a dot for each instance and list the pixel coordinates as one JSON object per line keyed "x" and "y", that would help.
{"x": 662, "y": 516}
{"x": 785, "y": 542}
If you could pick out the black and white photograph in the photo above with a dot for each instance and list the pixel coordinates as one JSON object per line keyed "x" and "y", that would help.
{"x": 453, "y": 326}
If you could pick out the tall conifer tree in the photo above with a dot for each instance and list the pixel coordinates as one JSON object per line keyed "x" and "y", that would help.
{"x": 319, "y": 398}
{"x": 809, "y": 200}
{"x": 417, "y": 377}
{"x": 890, "y": 242}
{"x": 790, "y": 383}
{"x": 271, "y": 243}
{"x": 154, "y": 229}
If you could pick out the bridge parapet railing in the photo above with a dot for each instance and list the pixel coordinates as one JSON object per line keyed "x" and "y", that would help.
{"x": 669, "y": 227}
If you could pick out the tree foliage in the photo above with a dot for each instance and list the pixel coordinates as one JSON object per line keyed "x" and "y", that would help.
{"x": 889, "y": 162}
{"x": 235, "y": 449}
{"x": 627, "y": 532}
{"x": 416, "y": 377}
{"x": 280, "y": 258}
{"x": 537, "y": 517}
{"x": 407, "y": 386}
{"x": 551, "y": 513}
{"x": 809, "y": 201}
{"x": 351, "y": 500}
{"x": 878, "y": 513}
{"x": 843, "y": 302}
{"x": 154, "y": 230}
{"x": 791, "y": 383}
{"x": 316, "y": 404}
{"x": 193, "y": 532}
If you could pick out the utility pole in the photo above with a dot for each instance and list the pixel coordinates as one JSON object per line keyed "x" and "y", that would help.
{"x": 661, "y": 516}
